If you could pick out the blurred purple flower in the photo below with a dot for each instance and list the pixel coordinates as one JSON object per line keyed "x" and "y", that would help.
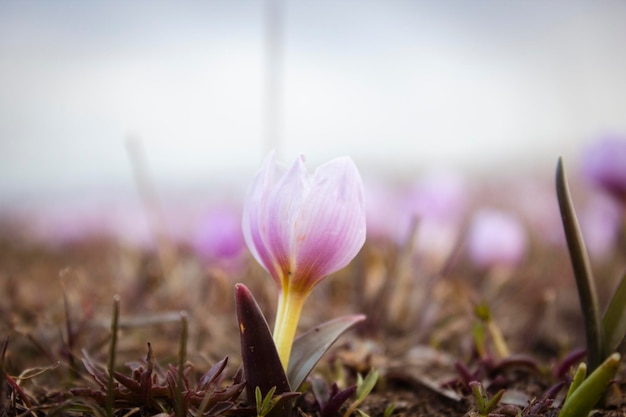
{"x": 604, "y": 165}
{"x": 440, "y": 194}
{"x": 218, "y": 234}
{"x": 74, "y": 222}
{"x": 600, "y": 221}
{"x": 541, "y": 212}
{"x": 495, "y": 238}
{"x": 438, "y": 203}
{"x": 384, "y": 213}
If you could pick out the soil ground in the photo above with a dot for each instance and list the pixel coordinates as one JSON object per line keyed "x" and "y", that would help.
{"x": 421, "y": 333}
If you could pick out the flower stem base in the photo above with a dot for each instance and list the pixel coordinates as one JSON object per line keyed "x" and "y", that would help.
{"x": 290, "y": 306}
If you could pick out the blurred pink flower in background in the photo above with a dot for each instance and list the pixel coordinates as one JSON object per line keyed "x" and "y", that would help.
{"x": 439, "y": 194}
{"x": 438, "y": 202}
{"x": 218, "y": 234}
{"x": 536, "y": 202}
{"x": 384, "y": 212}
{"x": 604, "y": 165}
{"x": 428, "y": 214}
{"x": 495, "y": 238}
{"x": 72, "y": 222}
{"x": 600, "y": 221}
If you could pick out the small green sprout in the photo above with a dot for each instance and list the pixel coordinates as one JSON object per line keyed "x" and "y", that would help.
{"x": 484, "y": 404}
{"x": 579, "y": 377}
{"x": 363, "y": 387}
{"x": 265, "y": 404}
{"x": 584, "y": 393}
{"x": 386, "y": 413}
{"x": 389, "y": 410}
{"x": 484, "y": 325}
{"x": 614, "y": 320}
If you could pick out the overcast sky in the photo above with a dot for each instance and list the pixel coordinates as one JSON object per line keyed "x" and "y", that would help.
{"x": 398, "y": 85}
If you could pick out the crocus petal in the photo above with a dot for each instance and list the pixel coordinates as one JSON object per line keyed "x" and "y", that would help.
{"x": 330, "y": 227}
{"x": 301, "y": 228}
{"x": 252, "y": 219}
{"x": 279, "y": 215}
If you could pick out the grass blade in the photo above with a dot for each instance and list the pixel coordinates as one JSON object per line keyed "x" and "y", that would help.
{"x": 579, "y": 377}
{"x": 582, "y": 400}
{"x": 182, "y": 358}
{"x": 110, "y": 400}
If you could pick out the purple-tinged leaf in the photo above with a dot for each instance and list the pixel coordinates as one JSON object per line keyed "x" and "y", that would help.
{"x": 321, "y": 391}
{"x": 553, "y": 391}
{"x": 129, "y": 383}
{"x": 516, "y": 361}
{"x": 223, "y": 395}
{"x": 98, "y": 376}
{"x": 230, "y": 392}
{"x": 6, "y": 379}
{"x": 219, "y": 408}
{"x": 308, "y": 348}
{"x": 538, "y": 407}
{"x": 336, "y": 401}
{"x": 570, "y": 360}
{"x": 212, "y": 374}
{"x": 145, "y": 378}
{"x": 261, "y": 365}
{"x": 465, "y": 374}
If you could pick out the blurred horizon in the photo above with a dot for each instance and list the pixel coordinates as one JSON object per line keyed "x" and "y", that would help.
{"x": 401, "y": 87}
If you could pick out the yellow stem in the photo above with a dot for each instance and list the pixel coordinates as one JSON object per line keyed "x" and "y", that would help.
{"x": 280, "y": 310}
{"x": 498, "y": 340}
{"x": 290, "y": 306}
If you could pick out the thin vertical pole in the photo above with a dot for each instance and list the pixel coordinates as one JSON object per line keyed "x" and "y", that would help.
{"x": 272, "y": 103}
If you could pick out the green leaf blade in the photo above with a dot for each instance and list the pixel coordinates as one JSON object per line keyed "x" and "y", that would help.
{"x": 582, "y": 270}
{"x": 579, "y": 377}
{"x": 590, "y": 391}
{"x": 614, "y": 321}
{"x": 309, "y": 347}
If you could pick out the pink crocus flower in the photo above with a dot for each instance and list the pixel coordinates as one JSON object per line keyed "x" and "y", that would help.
{"x": 438, "y": 203}
{"x": 301, "y": 228}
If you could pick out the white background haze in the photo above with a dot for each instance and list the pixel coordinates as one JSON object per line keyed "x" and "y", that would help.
{"x": 397, "y": 85}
